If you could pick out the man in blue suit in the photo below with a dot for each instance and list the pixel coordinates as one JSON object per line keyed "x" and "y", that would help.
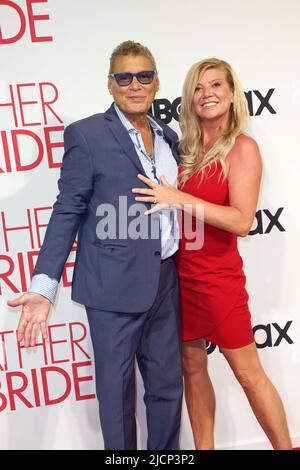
{"x": 124, "y": 272}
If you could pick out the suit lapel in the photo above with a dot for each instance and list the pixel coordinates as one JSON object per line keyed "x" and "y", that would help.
{"x": 121, "y": 135}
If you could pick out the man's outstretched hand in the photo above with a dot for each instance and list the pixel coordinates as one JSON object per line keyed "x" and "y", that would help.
{"x": 35, "y": 311}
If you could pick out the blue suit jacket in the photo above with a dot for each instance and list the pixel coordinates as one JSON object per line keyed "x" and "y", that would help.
{"x": 99, "y": 165}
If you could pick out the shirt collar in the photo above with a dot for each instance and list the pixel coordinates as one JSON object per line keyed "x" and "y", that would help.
{"x": 130, "y": 128}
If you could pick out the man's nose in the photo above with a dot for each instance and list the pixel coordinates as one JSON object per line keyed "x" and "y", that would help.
{"x": 135, "y": 84}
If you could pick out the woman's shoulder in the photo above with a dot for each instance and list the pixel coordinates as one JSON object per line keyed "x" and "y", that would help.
{"x": 244, "y": 152}
{"x": 245, "y": 147}
{"x": 245, "y": 142}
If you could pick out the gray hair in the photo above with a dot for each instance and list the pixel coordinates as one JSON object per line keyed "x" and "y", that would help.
{"x": 130, "y": 48}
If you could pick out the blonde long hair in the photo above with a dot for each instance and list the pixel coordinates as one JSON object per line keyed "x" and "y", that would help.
{"x": 191, "y": 149}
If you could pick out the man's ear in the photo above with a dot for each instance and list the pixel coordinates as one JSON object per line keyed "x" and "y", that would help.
{"x": 109, "y": 85}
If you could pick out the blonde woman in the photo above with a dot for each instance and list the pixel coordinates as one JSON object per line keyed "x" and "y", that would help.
{"x": 221, "y": 170}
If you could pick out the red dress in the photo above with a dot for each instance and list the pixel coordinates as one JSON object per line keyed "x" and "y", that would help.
{"x": 213, "y": 298}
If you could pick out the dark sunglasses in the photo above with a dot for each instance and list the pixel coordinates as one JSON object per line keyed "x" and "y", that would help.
{"x": 124, "y": 79}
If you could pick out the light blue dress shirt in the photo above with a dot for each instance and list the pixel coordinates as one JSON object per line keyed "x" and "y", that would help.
{"x": 162, "y": 163}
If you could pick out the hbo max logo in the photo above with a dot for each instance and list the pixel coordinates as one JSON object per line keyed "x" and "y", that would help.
{"x": 266, "y": 336}
{"x": 258, "y": 101}
{"x": 265, "y": 221}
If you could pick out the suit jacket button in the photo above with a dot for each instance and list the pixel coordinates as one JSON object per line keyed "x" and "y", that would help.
{"x": 157, "y": 253}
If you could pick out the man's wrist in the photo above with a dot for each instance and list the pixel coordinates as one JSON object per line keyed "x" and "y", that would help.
{"x": 44, "y": 285}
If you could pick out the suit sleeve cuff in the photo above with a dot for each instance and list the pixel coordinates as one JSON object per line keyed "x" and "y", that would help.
{"x": 44, "y": 285}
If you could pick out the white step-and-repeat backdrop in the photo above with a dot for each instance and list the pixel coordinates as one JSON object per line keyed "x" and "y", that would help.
{"x": 53, "y": 70}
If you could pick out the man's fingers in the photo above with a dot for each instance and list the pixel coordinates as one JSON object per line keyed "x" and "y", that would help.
{"x": 27, "y": 336}
{"x": 33, "y": 334}
{"x": 21, "y": 328}
{"x": 44, "y": 330}
{"x": 16, "y": 302}
{"x": 28, "y": 332}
